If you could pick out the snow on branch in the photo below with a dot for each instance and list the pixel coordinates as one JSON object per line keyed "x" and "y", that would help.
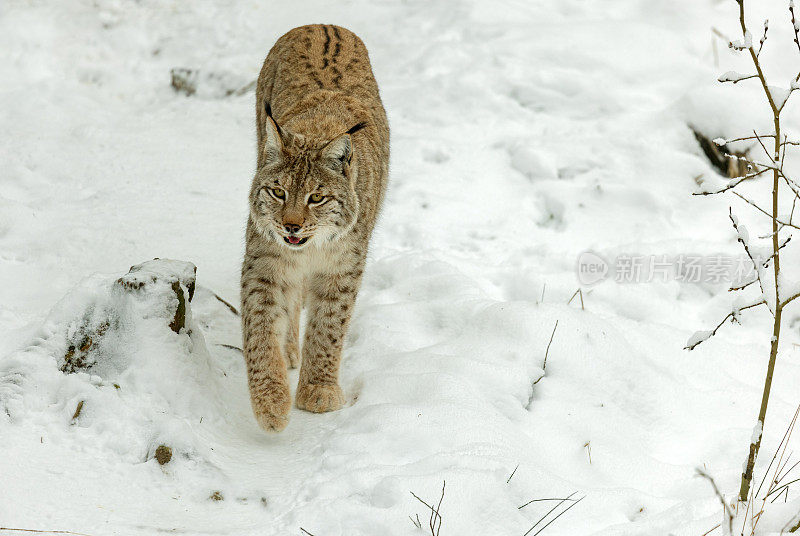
{"x": 700, "y": 337}
{"x": 733, "y": 76}
{"x": 743, "y": 237}
{"x": 780, "y": 94}
{"x": 764, "y": 38}
{"x": 742, "y": 44}
{"x": 733, "y": 184}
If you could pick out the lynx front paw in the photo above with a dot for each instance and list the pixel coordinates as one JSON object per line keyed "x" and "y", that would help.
{"x": 320, "y": 397}
{"x": 271, "y": 407}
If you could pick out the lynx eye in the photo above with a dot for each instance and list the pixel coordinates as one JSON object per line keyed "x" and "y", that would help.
{"x": 278, "y": 192}
{"x": 316, "y": 198}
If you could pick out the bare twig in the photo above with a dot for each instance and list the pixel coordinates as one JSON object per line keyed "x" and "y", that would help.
{"x": 725, "y": 506}
{"x": 230, "y": 307}
{"x": 754, "y": 164}
{"x": 776, "y": 488}
{"x": 794, "y": 25}
{"x": 733, "y": 315}
{"x": 763, "y": 38}
{"x": 779, "y": 475}
{"x": 547, "y": 499}
{"x": 752, "y": 204}
{"x": 438, "y": 509}
{"x": 742, "y": 286}
{"x": 781, "y": 245}
{"x": 560, "y": 502}
{"x": 761, "y": 143}
{"x": 736, "y": 78}
{"x": 746, "y": 247}
{"x": 790, "y": 299}
{"x": 230, "y": 347}
{"x": 544, "y": 363}
{"x": 743, "y": 138}
{"x": 782, "y": 487}
{"x": 435, "y": 512}
{"x": 754, "y": 57}
{"x": 785, "y": 494}
{"x": 792, "y": 468}
{"x": 567, "y": 509}
{"x": 547, "y": 350}
{"x": 783, "y": 151}
{"x": 431, "y": 508}
{"x": 512, "y": 474}
{"x": 304, "y": 531}
{"x": 733, "y": 184}
{"x": 791, "y": 183}
{"x": 578, "y": 292}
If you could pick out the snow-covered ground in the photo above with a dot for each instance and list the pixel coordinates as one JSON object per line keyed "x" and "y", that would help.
{"x": 523, "y": 134}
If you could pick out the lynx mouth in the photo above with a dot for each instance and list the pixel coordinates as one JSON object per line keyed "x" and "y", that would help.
{"x": 295, "y": 240}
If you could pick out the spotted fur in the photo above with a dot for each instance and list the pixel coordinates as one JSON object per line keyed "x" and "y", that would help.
{"x": 322, "y": 131}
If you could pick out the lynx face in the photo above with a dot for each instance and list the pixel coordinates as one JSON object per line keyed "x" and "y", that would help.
{"x": 302, "y": 195}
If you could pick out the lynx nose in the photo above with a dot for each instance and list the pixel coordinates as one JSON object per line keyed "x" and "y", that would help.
{"x": 291, "y": 227}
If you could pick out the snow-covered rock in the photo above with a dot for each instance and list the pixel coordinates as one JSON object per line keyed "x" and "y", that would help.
{"x": 127, "y": 353}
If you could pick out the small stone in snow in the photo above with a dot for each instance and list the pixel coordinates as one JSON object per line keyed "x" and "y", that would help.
{"x": 163, "y": 454}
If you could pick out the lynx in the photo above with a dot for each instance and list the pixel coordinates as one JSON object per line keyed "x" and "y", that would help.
{"x": 322, "y": 170}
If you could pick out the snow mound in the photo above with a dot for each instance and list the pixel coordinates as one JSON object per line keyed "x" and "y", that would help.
{"x": 128, "y": 353}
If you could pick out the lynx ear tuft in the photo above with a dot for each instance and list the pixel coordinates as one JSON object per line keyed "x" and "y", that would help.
{"x": 358, "y": 127}
{"x": 338, "y": 152}
{"x": 273, "y": 142}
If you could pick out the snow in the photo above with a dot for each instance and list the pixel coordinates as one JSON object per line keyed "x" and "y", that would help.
{"x": 788, "y": 289}
{"x": 757, "y": 431}
{"x": 697, "y": 338}
{"x": 523, "y": 135}
{"x": 779, "y": 96}
{"x": 741, "y": 44}
{"x": 733, "y": 76}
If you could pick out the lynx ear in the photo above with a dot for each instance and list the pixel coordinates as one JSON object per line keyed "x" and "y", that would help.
{"x": 273, "y": 142}
{"x": 338, "y": 152}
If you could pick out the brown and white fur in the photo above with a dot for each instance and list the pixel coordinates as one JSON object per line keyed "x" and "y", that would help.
{"x": 323, "y": 161}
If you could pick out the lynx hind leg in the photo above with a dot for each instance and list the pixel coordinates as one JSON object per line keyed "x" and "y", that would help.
{"x": 295, "y": 307}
